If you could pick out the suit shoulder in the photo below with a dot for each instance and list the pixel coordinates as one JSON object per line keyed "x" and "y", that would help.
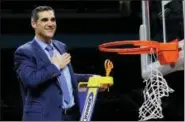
{"x": 25, "y": 47}
{"x": 59, "y": 42}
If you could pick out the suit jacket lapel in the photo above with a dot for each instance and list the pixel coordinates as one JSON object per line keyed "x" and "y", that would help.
{"x": 40, "y": 53}
{"x": 74, "y": 81}
{"x": 59, "y": 48}
{"x": 62, "y": 50}
{"x": 42, "y": 56}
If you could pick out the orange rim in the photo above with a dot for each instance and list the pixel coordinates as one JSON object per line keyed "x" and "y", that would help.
{"x": 147, "y": 45}
{"x": 167, "y": 52}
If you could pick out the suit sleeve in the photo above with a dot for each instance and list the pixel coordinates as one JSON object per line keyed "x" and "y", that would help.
{"x": 29, "y": 74}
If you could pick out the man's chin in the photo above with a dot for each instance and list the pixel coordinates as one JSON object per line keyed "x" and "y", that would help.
{"x": 49, "y": 36}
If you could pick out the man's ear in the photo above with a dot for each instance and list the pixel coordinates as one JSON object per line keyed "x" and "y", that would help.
{"x": 33, "y": 23}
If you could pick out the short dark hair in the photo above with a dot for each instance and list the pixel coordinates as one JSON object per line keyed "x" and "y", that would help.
{"x": 38, "y": 9}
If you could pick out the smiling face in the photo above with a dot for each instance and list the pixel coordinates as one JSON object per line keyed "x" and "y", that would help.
{"x": 45, "y": 25}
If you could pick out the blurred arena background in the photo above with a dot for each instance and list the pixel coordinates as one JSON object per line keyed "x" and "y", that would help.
{"x": 83, "y": 25}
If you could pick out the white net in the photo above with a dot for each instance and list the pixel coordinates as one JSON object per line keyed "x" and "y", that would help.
{"x": 156, "y": 88}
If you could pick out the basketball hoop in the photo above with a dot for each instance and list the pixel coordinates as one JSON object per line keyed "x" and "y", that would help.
{"x": 156, "y": 86}
{"x": 167, "y": 53}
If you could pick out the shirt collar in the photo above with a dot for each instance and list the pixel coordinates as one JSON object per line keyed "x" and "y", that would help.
{"x": 43, "y": 44}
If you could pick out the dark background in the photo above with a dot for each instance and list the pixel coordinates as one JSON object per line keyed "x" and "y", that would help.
{"x": 83, "y": 25}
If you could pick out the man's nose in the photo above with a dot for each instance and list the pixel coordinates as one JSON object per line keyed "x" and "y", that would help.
{"x": 50, "y": 23}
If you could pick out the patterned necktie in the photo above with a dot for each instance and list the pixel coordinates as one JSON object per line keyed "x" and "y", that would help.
{"x": 61, "y": 79}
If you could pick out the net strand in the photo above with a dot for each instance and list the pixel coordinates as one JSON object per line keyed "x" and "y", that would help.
{"x": 156, "y": 87}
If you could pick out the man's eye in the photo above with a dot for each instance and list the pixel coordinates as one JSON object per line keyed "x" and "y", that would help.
{"x": 53, "y": 20}
{"x": 44, "y": 19}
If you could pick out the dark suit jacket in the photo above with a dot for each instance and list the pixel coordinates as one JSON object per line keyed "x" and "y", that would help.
{"x": 41, "y": 93}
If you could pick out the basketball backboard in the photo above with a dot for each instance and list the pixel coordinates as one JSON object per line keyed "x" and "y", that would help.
{"x": 167, "y": 25}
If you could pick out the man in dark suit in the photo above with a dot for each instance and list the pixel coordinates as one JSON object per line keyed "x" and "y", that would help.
{"x": 48, "y": 83}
